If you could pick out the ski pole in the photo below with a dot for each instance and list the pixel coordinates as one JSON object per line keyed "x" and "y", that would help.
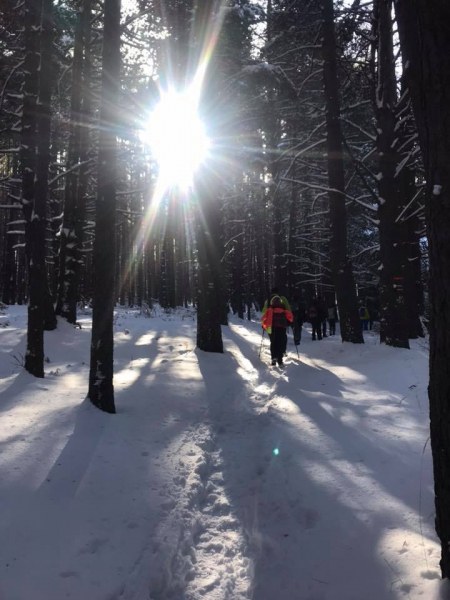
{"x": 262, "y": 339}
{"x": 296, "y": 346}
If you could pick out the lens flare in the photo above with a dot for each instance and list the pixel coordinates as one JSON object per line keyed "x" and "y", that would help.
{"x": 177, "y": 138}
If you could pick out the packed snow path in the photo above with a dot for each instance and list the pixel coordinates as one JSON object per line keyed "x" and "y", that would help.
{"x": 220, "y": 478}
{"x": 295, "y": 468}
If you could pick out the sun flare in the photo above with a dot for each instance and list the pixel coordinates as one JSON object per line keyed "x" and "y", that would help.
{"x": 177, "y": 138}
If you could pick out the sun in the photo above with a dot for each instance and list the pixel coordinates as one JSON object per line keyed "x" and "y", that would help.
{"x": 177, "y": 138}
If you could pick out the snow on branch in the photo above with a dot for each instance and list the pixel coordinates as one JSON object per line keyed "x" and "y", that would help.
{"x": 72, "y": 168}
{"x": 267, "y": 73}
{"x": 370, "y": 249}
{"x": 360, "y": 129}
{"x": 313, "y": 186}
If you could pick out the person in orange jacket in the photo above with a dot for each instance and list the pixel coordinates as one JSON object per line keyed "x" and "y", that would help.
{"x": 275, "y": 321}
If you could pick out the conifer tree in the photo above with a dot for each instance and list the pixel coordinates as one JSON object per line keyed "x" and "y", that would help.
{"x": 101, "y": 389}
{"x": 424, "y": 29}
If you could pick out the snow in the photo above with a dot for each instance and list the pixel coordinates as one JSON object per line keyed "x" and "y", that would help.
{"x": 219, "y": 478}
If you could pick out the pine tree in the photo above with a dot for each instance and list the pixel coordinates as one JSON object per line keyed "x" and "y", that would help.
{"x": 425, "y": 41}
{"x": 101, "y": 389}
{"x": 340, "y": 264}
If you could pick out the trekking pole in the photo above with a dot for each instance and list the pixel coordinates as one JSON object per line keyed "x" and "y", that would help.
{"x": 262, "y": 339}
{"x": 296, "y": 345}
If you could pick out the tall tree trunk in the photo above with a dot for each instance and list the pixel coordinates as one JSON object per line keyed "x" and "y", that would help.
{"x": 210, "y": 285}
{"x": 34, "y": 219}
{"x": 412, "y": 222}
{"x": 69, "y": 260}
{"x": 394, "y": 325}
{"x": 412, "y": 228}
{"x": 340, "y": 264}
{"x": 425, "y": 41}
{"x": 85, "y": 153}
{"x": 101, "y": 389}
{"x": 209, "y": 271}
{"x": 43, "y": 146}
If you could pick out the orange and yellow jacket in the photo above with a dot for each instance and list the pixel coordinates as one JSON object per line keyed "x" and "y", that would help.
{"x": 276, "y": 318}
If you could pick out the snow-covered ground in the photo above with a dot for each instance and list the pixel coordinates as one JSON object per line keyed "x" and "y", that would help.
{"x": 219, "y": 478}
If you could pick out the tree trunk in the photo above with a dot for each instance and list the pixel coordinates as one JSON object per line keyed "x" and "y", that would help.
{"x": 101, "y": 389}
{"x": 69, "y": 259}
{"x": 82, "y": 289}
{"x": 412, "y": 222}
{"x": 43, "y": 145}
{"x": 394, "y": 325}
{"x": 425, "y": 42}
{"x": 340, "y": 265}
{"x": 209, "y": 271}
{"x": 35, "y": 220}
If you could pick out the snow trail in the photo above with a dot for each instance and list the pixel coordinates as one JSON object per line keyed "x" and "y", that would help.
{"x": 219, "y": 478}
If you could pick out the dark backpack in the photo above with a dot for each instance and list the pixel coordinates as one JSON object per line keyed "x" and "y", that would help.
{"x": 313, "y": 313}
{"x": 279, "y": 319}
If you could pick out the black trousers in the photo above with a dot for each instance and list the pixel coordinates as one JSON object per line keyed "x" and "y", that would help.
{"x": 316, "y": 329}
{"x": 278, "y": 343}
{"x": 297, "y": 330}
{"x": 332, "y": 326}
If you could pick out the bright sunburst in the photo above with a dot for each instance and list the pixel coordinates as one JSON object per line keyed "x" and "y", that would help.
{"x": 177, "y": 138}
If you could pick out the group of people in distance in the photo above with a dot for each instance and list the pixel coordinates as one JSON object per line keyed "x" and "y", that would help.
{"x": 278, "y": 314}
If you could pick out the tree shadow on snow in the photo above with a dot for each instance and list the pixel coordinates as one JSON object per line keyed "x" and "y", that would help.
{"x": 296, "y": 478}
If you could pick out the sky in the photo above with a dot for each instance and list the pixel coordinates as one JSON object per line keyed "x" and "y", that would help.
{"x": 220, "y": 477}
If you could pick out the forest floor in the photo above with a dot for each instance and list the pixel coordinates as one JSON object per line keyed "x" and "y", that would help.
{"x": 219, "y": 478}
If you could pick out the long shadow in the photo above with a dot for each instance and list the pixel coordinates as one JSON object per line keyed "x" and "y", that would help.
{"x": 264, "y": 459}
{"x": 341, "y": 420}
{"x": 77, "y": 520}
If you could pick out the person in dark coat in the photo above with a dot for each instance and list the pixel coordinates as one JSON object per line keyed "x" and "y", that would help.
{"x": 332, "y": 317}
{"x": 314, "y": 319}
{"x": 364, "y": 317}
{"x": 298, "y": 308}
{"x": 323, "y": 314}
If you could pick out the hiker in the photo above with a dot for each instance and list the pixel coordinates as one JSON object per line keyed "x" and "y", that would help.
{"x": 275, "y": 321}
{"x": 332, "y": 317}
{"x": 299, "y": 312}
{"x": 364, "y": 317}
{"x": 275, "y": 291}
{"x": 323, "y": 313}
{"x": 314, "y": 319}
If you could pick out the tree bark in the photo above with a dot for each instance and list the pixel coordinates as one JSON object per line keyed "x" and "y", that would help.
{"x": 70, "y": 257}
{"x": 424, "y": 29}
{"x": 340, "y": 264}
{"x": 209, "y": 270}
{"x": 101, "y": 389}
{"x": 34, "y": 218}
{"x": 44, "y": 119}
{"x": 394, "y": 325}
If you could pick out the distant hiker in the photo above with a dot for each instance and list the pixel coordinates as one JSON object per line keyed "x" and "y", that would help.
{"x": 332, "y": 317}
{"x": 323, "y": 313}
{"x": 314, "y": 319}
{"x": 364, "y": 317}
{"x": 373, "y": 315}
{"x": 298, "y": 307}
{"x": 275, "y": 321}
